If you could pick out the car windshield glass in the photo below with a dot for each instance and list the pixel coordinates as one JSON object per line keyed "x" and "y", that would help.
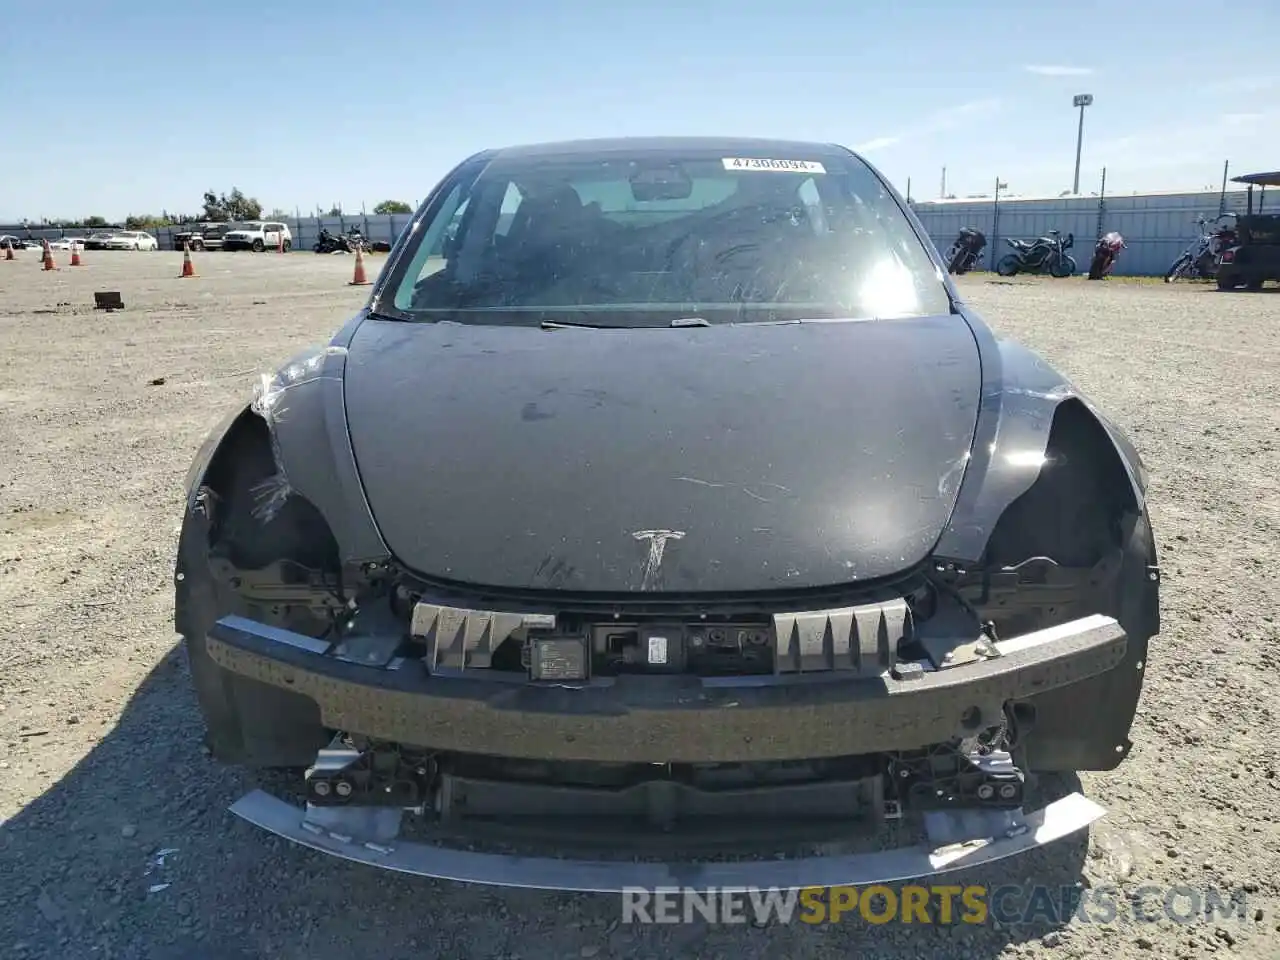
{"x": 623, "y": 241}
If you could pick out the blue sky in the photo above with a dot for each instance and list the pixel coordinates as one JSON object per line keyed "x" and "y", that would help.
{"x": 112, "y": 107}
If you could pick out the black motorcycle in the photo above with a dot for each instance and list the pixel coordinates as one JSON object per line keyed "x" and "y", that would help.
{"x": 358, "y": 241}
{"x": 1047, "y": 254}
{"x": 964, "y": 252}
{"x": 347, "y": 242}
{"x": 330, "y": 242}
{"x": 1200, "y": 260}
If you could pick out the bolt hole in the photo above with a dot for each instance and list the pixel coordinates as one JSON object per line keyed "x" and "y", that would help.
{"x": 1139, "y": 664}
{"x": 971, "y": 718}
{"x": 181, "y": 577}
{"x": 1119, "y": 748}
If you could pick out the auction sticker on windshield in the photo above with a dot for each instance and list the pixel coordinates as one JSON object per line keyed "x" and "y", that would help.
{"x": 779, "y": 166}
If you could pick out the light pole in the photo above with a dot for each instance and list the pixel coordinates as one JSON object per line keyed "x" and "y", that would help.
{"x": 1081, "y": 100}
{"x": 995, "y": 219}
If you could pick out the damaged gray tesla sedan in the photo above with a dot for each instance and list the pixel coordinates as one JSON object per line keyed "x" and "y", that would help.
{"x": 666, "y": 497}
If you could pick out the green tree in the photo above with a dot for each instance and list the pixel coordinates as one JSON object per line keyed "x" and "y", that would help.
{"x": 94, "y": 221}
{"x": 392, "y": 206}
{"x": 233, "y": 206}
{"x": 145, "y": 221}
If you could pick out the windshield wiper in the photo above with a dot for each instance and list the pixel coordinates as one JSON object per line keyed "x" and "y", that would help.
{"x": 560, "y": 325}
{"x": 376, "y": 314}
{"x": 569, "y": 325}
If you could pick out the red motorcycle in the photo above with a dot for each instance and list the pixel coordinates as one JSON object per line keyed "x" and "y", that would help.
{"x": 1105, "y": 252}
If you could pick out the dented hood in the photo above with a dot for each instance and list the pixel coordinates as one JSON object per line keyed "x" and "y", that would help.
{"x": 726, "y": 458}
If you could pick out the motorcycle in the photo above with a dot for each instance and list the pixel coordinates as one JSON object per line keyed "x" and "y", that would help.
{"x": 964, "y": 252}
{"x": 1105, "y": 253}
{"x": 1047, "y": 254}
{"x": 358, "y": 241}
{"x": 330, "y": 242}
{"x": 1199, "y": 261}
{"x": 347, "y": 242}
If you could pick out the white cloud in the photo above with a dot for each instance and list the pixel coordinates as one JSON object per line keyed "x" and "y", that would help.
{"x": 879, "y": 143}
{"x": 952, "y": 116}
{"x": 1207, "y": 141}
{"x": 1059, "y": 70}
{"x": 946, "y": 119}
{"x": 1242, "y": 85}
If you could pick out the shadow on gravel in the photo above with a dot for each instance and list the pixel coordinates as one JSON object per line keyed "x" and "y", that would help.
{"x": 133, "y": 855}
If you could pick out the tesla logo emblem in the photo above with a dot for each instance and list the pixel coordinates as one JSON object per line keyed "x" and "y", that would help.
{"x": 657, "y": 547}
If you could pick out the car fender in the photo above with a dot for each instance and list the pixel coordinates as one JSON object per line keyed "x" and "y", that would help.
{"x": 304, "y": 408}
{"x": 1021, "y": 393}
{"x": 209, "y": 447}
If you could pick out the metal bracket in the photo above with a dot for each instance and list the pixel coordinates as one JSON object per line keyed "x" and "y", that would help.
{"x": 269, "y": 585}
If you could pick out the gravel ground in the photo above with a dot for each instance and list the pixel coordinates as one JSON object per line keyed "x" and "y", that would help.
{"x": 100, "y": 754}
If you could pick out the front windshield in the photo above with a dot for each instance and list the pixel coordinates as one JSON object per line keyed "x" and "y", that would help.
{"x": 608, "y": 240}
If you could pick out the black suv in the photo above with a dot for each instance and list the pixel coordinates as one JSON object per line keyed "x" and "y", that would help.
{"x": 203, "y": 236}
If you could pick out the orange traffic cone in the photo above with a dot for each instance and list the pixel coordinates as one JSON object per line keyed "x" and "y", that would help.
{"x": 359, "y": 280}
{"x": 75, "y": 254}
{"x": 47, "y": 263}
{"x": 188, "y": 268}
{"x": 8, "y": 249}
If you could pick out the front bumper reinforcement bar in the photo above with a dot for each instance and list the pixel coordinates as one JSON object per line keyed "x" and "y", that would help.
{"x": 674, "y": 719}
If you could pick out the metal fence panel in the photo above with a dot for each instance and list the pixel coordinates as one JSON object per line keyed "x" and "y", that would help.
{"x": 1156, "y": 227}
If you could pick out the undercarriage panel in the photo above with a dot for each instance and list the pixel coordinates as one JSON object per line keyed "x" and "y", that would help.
{"x": 955, "y": 841}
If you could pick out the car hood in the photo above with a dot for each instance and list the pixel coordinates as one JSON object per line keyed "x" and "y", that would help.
{"x": 718, "y": 459}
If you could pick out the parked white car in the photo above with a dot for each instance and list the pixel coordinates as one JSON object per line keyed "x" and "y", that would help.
{"x": 65, "y": 243}
{"x": 131, "y": 240}
{"x": 258, "y": 235}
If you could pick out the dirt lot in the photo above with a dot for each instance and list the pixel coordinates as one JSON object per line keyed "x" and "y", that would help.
{"x": 100, "y": 761}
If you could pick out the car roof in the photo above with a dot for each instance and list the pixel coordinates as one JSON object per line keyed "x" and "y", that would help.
{"x": 726, "y": 146}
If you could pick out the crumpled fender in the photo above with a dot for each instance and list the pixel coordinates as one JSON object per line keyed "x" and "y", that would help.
{"x": 1021, "y": 395}
{"x": 209, "y": 447}
{"x": 303, "y": 406}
